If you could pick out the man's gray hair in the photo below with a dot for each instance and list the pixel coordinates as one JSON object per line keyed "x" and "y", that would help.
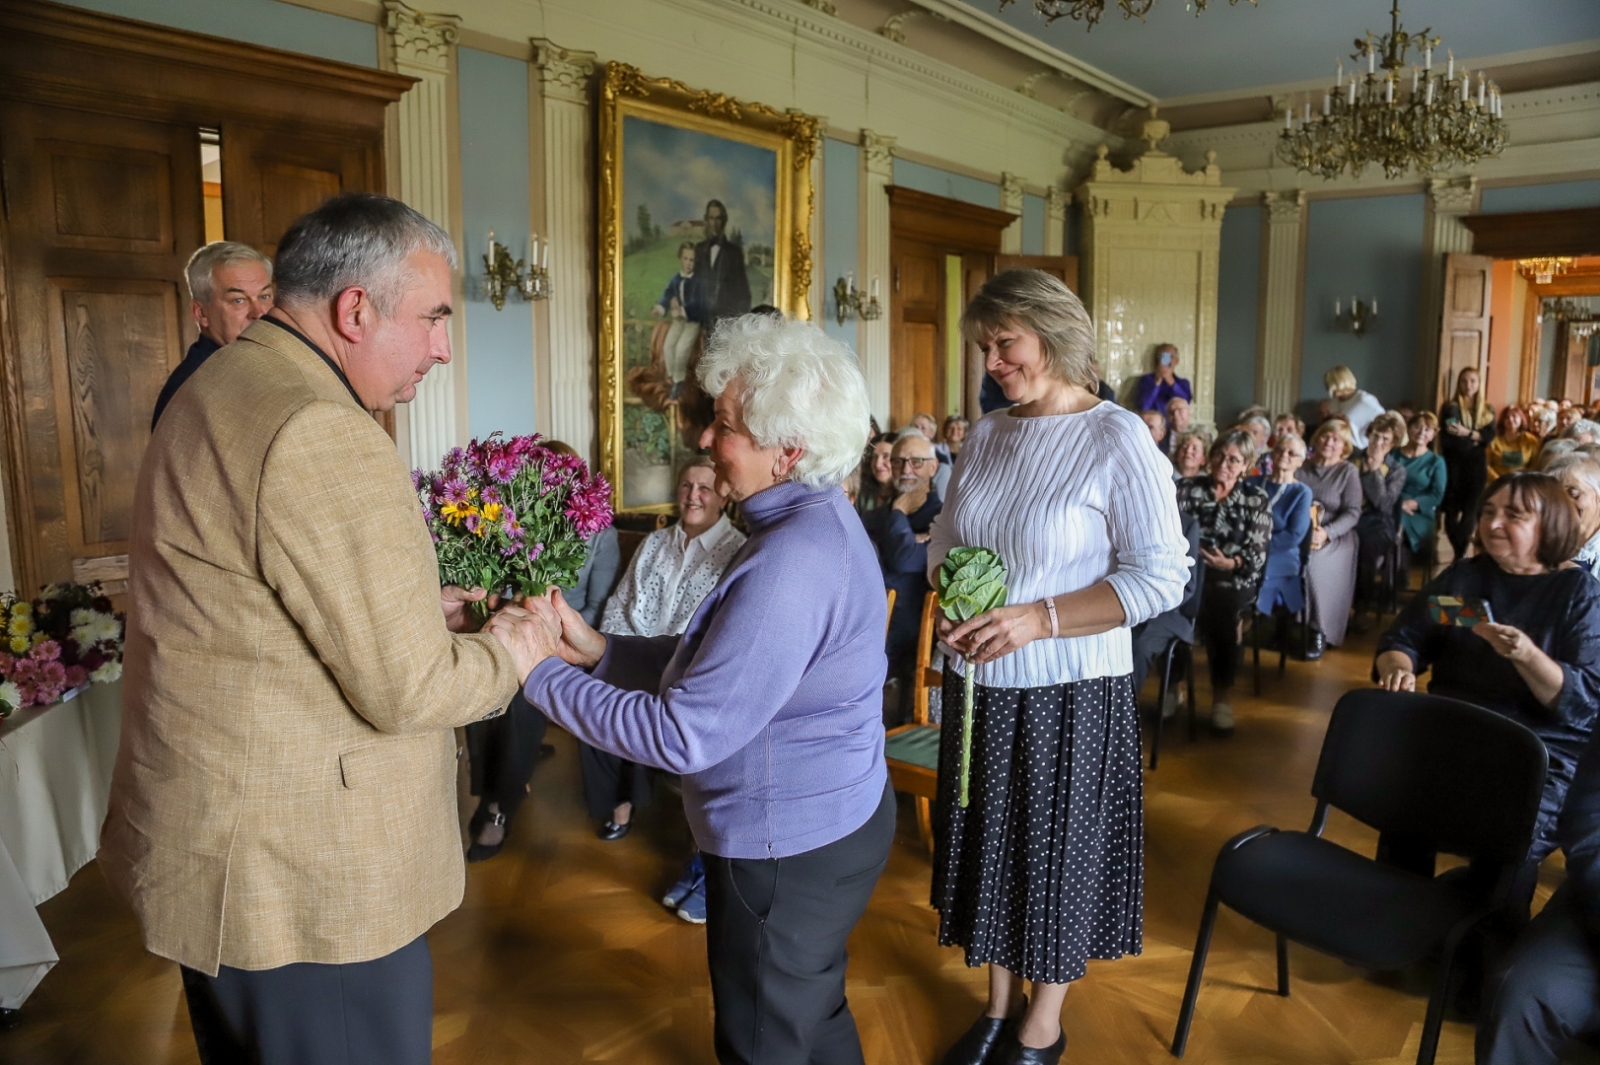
{"x": 798, "y": 387}
{"x": 1582, "y": 427}
{"x": 356, "y": 239}
{"x": 201, "y": 271}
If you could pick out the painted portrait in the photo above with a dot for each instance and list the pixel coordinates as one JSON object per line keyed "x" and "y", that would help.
{"x": 699, "y": 223}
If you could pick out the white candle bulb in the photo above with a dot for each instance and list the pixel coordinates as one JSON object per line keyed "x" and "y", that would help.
{"x": 1338, "y": 78}
{"x": 1327, "y": 105}
{"x": 1388, "y": 90}
{"x": 1306, "y": 116}
{"x": 1288, "y": 120}
{"x": 544, "y": 256}
{"x": 1372, "y": 60}
{"x": 1338, "y": 308}
{"x": 491, "y": 242}
{"x": 1374, "y": 305}
{"x": 1415, "y": 75}
{"x": 1430, "y": 92}
{"x": 874, "y": 286}
{"x": 1450, "y": 71}
{"x": 1480, "y": 88}
{"x": 1352, "y": 92}
{"x": 1427, "y": 58}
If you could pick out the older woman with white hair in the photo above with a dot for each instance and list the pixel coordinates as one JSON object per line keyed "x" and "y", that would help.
{"x": 770, "y": 703}
{"x": 1040, "y": 867}
{"x": 1579, "y": 474}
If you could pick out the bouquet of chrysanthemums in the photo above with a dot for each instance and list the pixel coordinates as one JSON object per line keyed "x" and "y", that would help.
{"x": 512, "y": 515}
{"x": 66, "y": 637}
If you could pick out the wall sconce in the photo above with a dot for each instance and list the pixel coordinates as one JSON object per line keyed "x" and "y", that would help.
{"x": 853, "y": 303}
{"x": 502, "y": 275}
{"x": 1359, "y": 317}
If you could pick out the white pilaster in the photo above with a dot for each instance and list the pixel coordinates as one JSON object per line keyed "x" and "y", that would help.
{"x": 568, "y": 221}
{"x": 877, "y": 173}
{"x": 1282, "y": 301}
{"x": 1449, "y": 200}
{"x": 423, "y": 45}
{"x": 1055, "y": 222}
{"x": 1011, "y": 200}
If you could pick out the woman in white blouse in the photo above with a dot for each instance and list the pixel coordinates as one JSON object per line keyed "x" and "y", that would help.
{"x": 673, "y": 570}
{"x": 1044, "y": 869}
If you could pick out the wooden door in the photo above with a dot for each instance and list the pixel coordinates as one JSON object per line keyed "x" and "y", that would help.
{"x": 102, "y": 215}
{"x": 270, "y": 177}
{"x": 916, "y": 323}
{"x": 1572, "y": 365}
{"x": 1464, "y": 333}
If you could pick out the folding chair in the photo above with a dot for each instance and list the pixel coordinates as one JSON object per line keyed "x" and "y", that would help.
{"x": 913, "y": 750}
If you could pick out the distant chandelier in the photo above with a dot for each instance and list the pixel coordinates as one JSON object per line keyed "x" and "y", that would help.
{"x": 1544, "y": 267}
{"x": 1440, "y": 123}
{"x": 1089, "y": 11}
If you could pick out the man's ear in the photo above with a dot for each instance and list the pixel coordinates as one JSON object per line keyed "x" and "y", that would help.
{"x": 197, "y": 311}
{"x": 352, "y": 314}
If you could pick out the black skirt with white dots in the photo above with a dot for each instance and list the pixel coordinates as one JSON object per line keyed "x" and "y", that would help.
{"x": 1044, "y": 869}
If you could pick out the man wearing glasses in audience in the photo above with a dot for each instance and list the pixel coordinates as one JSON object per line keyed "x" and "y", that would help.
{"x": 900, "y": 532}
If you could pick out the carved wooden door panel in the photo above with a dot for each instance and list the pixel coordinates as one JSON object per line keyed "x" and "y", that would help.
{"x": 102, "y": 214}
{"x": 1464, "y": 334}
{"x": 272, "y": 177}
{"x": 916, "y": 332}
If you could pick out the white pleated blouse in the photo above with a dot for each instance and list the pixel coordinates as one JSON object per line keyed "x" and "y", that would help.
{"x": 1067, "y": 500}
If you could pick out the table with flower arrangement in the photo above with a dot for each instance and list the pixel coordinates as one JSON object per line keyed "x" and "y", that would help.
{"x": 60, "y": 721}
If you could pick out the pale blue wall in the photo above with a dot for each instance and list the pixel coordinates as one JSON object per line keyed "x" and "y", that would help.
{"x": 1238, "y": 300}
{"x": 494, "y": 195}
{"x": 1033, "y": 226}
{"x": 945, "y": 183}
{"x": 1555, "y": 196}
{"x": 841, "y": 208}
{"x": 1364, "y": 247}
{"x": 266, "y": 22}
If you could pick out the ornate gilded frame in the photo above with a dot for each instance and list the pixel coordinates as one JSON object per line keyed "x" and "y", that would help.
{"x": 625, "y": 91}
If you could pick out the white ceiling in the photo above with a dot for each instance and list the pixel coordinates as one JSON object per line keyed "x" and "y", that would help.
{"x": 1174, "y": 53}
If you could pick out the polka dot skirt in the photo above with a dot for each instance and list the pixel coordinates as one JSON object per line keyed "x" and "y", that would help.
{"x": 1044, "y": 869}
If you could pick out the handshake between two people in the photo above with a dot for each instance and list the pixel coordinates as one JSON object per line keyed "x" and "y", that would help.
{"x": 531, "y": 629}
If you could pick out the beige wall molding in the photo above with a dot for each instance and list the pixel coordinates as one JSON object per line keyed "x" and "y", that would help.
{"x": 877, "y": 174}
{"x": 1449, "y": 201}
{"x": 1282, "y": 300}
{"x": 423, "y": 45}
{"x": 1012, "y": 189}
{"x": 1055, "y": 222}
{"x": 1150, "y": 245}
{"x": 565, "y": 76}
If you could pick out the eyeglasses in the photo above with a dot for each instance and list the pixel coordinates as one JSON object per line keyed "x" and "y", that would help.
{"x": 915, "y": 464}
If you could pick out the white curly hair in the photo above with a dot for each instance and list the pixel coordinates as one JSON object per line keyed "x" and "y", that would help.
{"x": 798, "y": 388}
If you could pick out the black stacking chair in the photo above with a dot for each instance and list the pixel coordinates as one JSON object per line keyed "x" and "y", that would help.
{"x": 1179, "y": 652}
{"x": 1420, "y": 767}
{"x": 1281, "y": 619}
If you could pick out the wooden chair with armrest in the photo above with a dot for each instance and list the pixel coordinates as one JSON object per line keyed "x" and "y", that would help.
{"x": 913, "y": 750}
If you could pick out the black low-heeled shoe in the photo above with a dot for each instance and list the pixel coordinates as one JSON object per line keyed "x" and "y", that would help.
{"x": 482, "y": 852}
{"x": 612, "y": 831}
{"x": 1017, "y": 1054}
{"x": 983, "y": 1041}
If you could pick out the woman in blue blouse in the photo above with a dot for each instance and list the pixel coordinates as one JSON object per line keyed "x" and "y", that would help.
{"x": 1426, "y": 479}
{"x": 1290, "y": 503}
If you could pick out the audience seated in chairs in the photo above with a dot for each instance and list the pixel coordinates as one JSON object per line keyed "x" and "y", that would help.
{"x": 1538, "y": 662}
{"x": 673, "y": 570}
{"x": 1547, "y": 989}
{"x": 1514, "y": 446}
{"x": 1189, "y": 454}
{"x": 1152, "y": 638}
{"x": 877, "y": 480}
{"x": 1180, "y": 419}
{"x": 1157, "y": 423}
{"x": 1331, "y": 567}
{"x": 1579, "y": 474}
{"x": 951, "y": 434}
{"x": 1235, "y": 525}
{"x": 1383, "y": 479}
{"x": 502, "y": 752}
{"x": 1425, "y": 487}
{"x": 925, "y": 425}
{"x": 900, "y": 533}
{"x": 1289, "y": 502}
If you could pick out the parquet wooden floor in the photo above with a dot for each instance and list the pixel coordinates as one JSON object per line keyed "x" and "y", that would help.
{"x": 561, "y": 952}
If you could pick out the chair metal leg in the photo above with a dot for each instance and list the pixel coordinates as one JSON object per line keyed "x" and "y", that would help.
{"x": 925, "y": 822}
{"x": 1188, "y": 666}
{"x": 1281, "y": 620}
{"x": 1441, "y": 988}
{"x": 1161, "y": 702}
{"x": 1197, "y": 968}
{"x": 1283, "y": 965}
{"x": 1255, "y": 646}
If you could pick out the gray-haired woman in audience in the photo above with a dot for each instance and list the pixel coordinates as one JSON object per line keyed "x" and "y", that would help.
{"x": 1579, "y": 474}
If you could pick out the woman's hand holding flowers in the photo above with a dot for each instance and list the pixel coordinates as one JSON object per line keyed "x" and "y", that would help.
{"x": 996, "y": 633}
{"x": 581, "y": 645}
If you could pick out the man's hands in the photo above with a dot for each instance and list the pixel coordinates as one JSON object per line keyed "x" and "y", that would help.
{"x": 529, "y": 633}
{"x": 454, "y": 602}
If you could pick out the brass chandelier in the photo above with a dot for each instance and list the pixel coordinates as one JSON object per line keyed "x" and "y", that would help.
{"x": 1437, "y": 121}
{"x": 1089, "y": 11}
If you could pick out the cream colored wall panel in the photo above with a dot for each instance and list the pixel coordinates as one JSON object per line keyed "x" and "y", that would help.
{"x": 1152, "y": 299}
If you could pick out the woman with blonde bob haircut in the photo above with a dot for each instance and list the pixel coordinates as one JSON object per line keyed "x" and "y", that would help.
{"x": 1336, "y": 499}
{"x": 1043, "y": 868}
{"x": 770, "y": 702}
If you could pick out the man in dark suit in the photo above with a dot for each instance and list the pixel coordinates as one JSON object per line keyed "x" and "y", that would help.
{"x": 900, "y": 533}
{"x": 726, "y": 287}
{"x": 1547, "y": 991}
{"x": 230, "y": 286}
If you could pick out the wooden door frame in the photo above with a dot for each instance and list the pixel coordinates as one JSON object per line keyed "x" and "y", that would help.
{"x": 952, "y": 227}
{"x": 64, "y": 57}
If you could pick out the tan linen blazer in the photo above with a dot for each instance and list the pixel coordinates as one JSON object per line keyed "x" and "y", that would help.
{"x": 285, "y": 790}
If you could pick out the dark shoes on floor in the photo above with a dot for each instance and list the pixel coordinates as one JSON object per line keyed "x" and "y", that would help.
{"x": 482, "y": 852}
{"x": 611, "y": 831}
{"x": 1017, "y": 1054}
{"x": 985, "y": 1043}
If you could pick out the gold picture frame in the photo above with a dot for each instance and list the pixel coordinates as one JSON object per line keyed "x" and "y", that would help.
{"x": 659, "y": 136}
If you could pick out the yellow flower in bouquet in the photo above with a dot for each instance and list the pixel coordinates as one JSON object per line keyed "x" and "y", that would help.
{"x": 20, "y": 645}
{"x": 20, "y": 625}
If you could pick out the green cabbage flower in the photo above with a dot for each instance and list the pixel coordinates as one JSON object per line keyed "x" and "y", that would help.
{"x": 972, "y": 581}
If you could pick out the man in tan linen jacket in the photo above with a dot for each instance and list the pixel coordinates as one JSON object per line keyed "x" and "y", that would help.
{"x": 285, "y": 789}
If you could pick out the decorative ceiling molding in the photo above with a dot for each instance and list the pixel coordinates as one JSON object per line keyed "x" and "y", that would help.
{"x": 894, "y": 27}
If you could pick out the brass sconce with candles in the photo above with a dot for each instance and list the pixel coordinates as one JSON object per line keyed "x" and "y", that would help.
{"x": 529, "y": 278}
{"x": 852, "y": 302}
{"x": 1358, "y": 319}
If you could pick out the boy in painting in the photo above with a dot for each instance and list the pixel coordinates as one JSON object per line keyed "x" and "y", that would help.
{"x": 682, "y": 303}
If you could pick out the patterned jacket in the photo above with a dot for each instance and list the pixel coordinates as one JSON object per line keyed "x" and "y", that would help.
{"x": 1239, "y": 526}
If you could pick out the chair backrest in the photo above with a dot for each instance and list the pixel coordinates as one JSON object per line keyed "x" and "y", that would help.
{"x": 888, "y": 617}
{"x": 1189, "y": 605}
{"x": 925, "y": 678}
{"x": 1424, "y": 767}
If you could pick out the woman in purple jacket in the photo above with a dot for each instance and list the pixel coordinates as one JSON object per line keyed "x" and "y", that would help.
{"x": 769, "y": 704}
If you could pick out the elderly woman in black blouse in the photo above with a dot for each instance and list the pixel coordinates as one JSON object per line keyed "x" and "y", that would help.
{"x": 1383, "y": 480}
{"x": 1235, "y": 526}
{"x": 1539, "y": 661}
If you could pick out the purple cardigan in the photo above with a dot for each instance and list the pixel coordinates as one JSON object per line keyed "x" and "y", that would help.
{"x": 770, "y": 704}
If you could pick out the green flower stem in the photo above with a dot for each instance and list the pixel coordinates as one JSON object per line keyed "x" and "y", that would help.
{"x": 966, "y": 738}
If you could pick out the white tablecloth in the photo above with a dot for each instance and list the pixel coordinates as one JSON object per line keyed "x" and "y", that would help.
{"x": 55, "y": 776}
